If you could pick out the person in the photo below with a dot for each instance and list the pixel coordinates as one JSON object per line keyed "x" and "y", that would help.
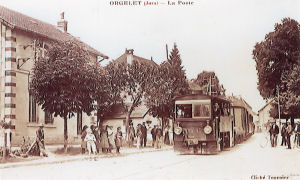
{"x": 123, "y": 130}
{"x": 144, "y": 135}
{"x": 274, "y": 131}
{"x": 166, "y": 135}
{"x": 139, "y": 135}
{"x": 83, "y": 142}
{"x": 131, "y": 135}
{"x": 171, "y": 135}
{"x": 40, "y": 139}
{"x": 104, "y": 140}
{"x": 159, "y": 137}
{"x": 283, "y": 135}
{"x": 297, "y": 136}
{"x": 110, "y": 138}
{"x": 96, "y": 134}
{"x": 153, "y": 133}
{"x": 118, "y": 139}
{"x": 289, "y": 132}
{"x": 90, "y": 141}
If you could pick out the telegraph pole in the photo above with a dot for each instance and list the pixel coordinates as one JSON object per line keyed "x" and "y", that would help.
{"x": 278, "y": 89}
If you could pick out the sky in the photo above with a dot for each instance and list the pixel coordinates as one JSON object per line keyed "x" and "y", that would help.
{"x": 211, "y": 35}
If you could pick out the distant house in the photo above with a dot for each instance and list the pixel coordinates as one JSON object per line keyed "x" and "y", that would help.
{"x": 264, "y": 114}
{"x": 20, "y": 35}
{"x": 141, "y": 113}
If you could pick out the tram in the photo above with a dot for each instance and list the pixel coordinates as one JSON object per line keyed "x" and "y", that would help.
{"x": 203, "y": 124}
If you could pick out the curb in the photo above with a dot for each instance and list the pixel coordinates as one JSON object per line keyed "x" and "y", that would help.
{"x": 72, "y": 159}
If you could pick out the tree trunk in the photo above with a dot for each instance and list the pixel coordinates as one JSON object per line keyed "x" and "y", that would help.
{"x": 65, "y": 134}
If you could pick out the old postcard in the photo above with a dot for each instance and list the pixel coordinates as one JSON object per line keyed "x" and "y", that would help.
{"x": 150, "y": 89}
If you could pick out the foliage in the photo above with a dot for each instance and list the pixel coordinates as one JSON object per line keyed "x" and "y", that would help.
{"x": 276, "y": 56}
{"x": 128, "y": 82}
{"x": 208, "y": 78}
{"x": 277, "y": 62}
{"x": 65, "y": 81}
{"x": 169, "y": 81}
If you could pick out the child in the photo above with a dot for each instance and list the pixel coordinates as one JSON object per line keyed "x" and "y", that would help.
{"x": 118, "y": 140}
{"x": 90, "y": 142}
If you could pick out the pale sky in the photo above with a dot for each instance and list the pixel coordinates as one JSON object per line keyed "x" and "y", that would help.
{"x": 211, "y": 35}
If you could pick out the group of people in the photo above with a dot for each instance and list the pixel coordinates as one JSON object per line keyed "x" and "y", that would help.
{"x": 287, "y": 132}
{"x": 96, "y": 139}
{"x": 159, "y": 136}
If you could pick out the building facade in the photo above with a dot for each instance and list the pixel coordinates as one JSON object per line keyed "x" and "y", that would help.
{"x": 20, "y": 38}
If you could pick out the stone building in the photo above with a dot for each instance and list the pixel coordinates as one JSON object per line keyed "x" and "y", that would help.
{"x": 20, "y": 35}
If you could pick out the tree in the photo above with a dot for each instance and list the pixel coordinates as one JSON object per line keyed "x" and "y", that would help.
{"x": 170, "y": 81}
{"x": 65, "y": 81}
{"x": 209, "y": 83}
{"x": 129, "y": 82}
{"x": 277, "y": 63}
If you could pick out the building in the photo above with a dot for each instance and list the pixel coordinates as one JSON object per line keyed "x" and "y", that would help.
{"x": 244, "y": 118}
{"x": 20, "y": 36}
{"x": 141, "y": 113}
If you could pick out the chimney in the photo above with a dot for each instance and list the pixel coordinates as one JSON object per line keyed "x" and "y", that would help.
{"x": 62, "y": 24}
{"x": 129, "y": 55}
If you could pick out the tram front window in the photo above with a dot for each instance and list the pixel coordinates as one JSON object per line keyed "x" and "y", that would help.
{"x": 201, "y": 110}
{"x": 184, "y": 111}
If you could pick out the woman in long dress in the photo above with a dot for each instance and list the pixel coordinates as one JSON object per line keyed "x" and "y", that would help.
{"x": 166, "y": 132}
{"x": 104, "y": 140}
{"x": 138, "y": 135}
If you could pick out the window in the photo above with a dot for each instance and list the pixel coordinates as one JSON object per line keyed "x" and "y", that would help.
{"x": 184, "y": 110}
{"x": 48, "y": 118}
{"x": 32, "y": 109}
{"x": 79, "y": 122}
{"x": 202, "y": 110}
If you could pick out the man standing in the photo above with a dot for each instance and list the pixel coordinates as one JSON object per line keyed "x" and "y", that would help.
{"x": 283, "y": 135}
{"x": 40, "y": 138}
{"x": 153, "y": 133}
{"x": 144, "y": 132}
{"x": 288, "y": 134}
{"x": 274, "y": 131}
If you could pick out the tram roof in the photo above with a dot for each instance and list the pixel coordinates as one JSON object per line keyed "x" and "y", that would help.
{"x": 201, "y": 96}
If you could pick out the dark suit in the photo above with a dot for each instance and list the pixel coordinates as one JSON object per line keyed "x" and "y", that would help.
{"x": 144, "y": 136}
{"x": 274, "y": 131}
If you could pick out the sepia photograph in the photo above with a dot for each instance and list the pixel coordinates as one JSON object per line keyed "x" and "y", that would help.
{"x": 150, "y": 89}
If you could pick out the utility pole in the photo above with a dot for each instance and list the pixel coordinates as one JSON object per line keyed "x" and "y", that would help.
{"x": 167, "y": 51}
{"x": 278, "y": 89}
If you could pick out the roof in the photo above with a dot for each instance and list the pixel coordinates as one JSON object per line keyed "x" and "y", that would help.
{"x": 201, "y": 96}
{"x": 240, "y": 102}
{"x": 266, "y": 105}
{"x": 25, "y": 23}
{"x": 119, "y": 113}
{"x": 123, "y": 58}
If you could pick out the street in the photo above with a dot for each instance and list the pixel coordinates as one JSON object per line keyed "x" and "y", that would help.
{"x": 244, "y": 161}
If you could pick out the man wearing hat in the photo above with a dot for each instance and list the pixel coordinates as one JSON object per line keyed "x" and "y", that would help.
{"x": 274, "y": 131}
{"x": 40, "y": 138}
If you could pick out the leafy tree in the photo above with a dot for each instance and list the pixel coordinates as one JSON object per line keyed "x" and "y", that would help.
{"x": 209, "y": 82}
{"x": 65, "y": 81}
{"x": 114, "y": 82}
{"x": 277, "y": 63}
{"x": 128, "y": 83}
{"x": 170, "y": 81}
